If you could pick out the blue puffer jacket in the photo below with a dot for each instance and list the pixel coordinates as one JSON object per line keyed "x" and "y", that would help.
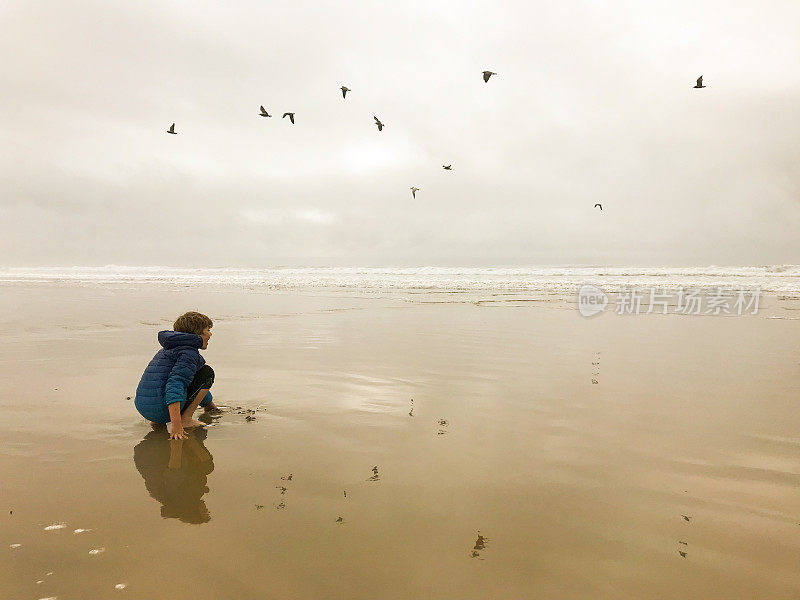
{"x": 169, "y": 374}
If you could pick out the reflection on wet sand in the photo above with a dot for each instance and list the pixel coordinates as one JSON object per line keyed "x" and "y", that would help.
{"x": 175, "y": 473}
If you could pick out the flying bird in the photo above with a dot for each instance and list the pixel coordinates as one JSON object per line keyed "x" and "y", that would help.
{"x": 172, "y": 129}
{"x": 699, "y": 83}
{"x": 414, "y": 191}
{"x": 487, "y": 74}
{"x": 344, "y": 91}
{"x": 264, "y": 112}
{"x": 600, "y": 205}
{"x": 447, "y": 167}
{"x": 291, "y": 117}
{"x": 378, "y": 123}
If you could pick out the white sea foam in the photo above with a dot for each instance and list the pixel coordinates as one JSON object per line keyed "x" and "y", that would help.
{"x": 55, "y": 526}
{"x": 779, "y": 279}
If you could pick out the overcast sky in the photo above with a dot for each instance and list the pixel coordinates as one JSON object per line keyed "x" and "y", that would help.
{"x": 592, "y": 103}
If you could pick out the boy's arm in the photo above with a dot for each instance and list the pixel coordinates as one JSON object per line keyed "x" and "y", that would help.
{"x": 175, "y": 392}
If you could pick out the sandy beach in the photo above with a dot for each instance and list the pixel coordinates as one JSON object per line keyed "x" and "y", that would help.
{"x": 399, "y": 446}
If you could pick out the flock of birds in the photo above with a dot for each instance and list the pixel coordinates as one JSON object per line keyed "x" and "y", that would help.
{"x": 486, "y": 75}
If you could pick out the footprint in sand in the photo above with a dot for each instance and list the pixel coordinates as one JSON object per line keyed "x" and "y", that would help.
{"x": 596, "y": 370}
{"x": 283, "y": 490}
{"x": 480, "y": 545}
{"x": 443, "y": 424}
{"x": 375, "y": 476}
{"x": 411, "y": 412}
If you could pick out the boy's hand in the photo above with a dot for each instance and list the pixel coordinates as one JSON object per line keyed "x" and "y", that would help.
{"x": 177, "y": 433}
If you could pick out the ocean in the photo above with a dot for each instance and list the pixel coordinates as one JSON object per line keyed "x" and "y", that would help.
{"x": 783, "y": 280}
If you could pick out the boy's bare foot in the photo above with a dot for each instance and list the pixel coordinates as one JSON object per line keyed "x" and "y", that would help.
{"x": 189, "y": 423}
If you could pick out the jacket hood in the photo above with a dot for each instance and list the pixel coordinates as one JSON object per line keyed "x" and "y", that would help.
{"x": 175, "y": 339}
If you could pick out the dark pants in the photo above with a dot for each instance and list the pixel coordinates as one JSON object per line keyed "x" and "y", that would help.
{"x": 203, "y": 380}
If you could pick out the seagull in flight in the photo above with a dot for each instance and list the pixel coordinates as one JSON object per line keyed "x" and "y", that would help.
{"x": 378, "y": 123}
{"x": 447, "y": 167}
{"x": 600, "y": 205}
{"x": 172, "y": 129}
{"x": 264, "y": 112}
{"x": 290, "y": 115}
{"x": 414, "y": 191}
{"x": 487, "y": 74}
{"x": 699, "y": 84}
{"x": 344, "y": 89}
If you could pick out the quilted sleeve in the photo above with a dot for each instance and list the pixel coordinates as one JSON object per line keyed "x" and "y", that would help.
{"x": 180, "y": 377}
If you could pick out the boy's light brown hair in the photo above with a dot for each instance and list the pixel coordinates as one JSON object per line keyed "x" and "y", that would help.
{"x": 192, "y": 322}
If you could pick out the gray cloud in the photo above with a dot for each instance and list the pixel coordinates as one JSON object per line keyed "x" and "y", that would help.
{"x": 592, "y": 103}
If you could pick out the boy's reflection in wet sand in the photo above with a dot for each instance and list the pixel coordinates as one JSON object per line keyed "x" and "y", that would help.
{"x": 175, "y": 473}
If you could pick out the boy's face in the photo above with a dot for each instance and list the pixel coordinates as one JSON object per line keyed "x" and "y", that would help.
{"x": 206, "y": 335}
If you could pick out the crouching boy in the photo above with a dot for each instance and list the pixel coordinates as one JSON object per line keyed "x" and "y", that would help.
{"x": 178, "y": 379}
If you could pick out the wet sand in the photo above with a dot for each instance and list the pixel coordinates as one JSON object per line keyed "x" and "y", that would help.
{"x": 510, "y": 475}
